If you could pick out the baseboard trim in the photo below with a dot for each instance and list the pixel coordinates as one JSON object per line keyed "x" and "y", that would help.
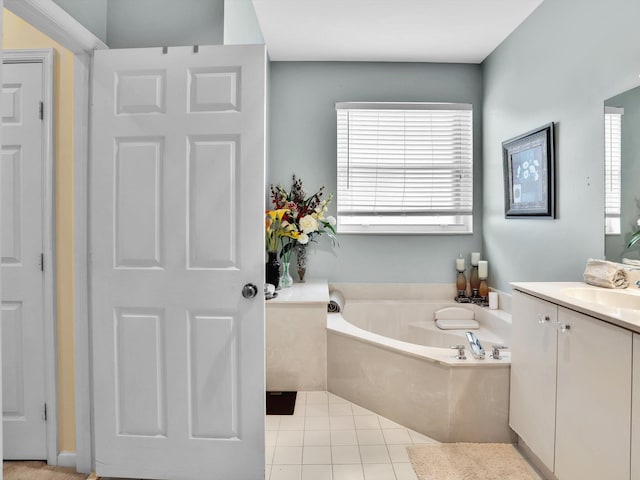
{"x": 67, "y": 459}
{"x": 534, "y": 461}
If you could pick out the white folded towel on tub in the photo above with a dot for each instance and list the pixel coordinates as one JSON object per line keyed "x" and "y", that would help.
{"x": 456, "y": 318}
{"x": 336, "y": 302}
{"x": 457, "y": 324}
{"x": 601, "y": 273}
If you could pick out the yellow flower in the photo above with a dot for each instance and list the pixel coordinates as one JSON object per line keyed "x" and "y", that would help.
{"x": 277, "y": 214}
{"x": 291, "y": 231}
{"x": 275, "y": 228}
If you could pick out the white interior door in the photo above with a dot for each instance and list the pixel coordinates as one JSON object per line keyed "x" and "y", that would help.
{"x": 176, "y": 215}
{"x": 23, "y": 357}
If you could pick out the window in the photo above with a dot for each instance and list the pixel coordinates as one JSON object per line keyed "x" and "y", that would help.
{"x": 612, "y": 167}
{"x": 405, "y": 168}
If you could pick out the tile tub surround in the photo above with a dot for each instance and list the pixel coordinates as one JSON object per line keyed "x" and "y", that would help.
{"x": 450, "y": 404}
{"x": 409, "y": 291}
{"x": 296, "y": 339}
{"x": 423, "y": 387}
{"x": 412, "y": 321}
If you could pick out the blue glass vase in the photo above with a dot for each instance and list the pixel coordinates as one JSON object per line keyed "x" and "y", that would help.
{"x": 286, "y": 280}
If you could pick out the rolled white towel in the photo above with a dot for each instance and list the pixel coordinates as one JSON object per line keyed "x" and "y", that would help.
{"x": 336, "y": 302}
{"x": 601, "y": 273}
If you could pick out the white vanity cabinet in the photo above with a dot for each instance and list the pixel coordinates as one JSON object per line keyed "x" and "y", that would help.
{"x": 593, "y": 412}
{"x": 635, "y": 410}
{"x": 534, "y": 346}
{"x": 571, "y": 381}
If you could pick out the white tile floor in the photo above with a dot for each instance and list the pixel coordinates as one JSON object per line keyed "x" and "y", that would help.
{"x": 329, "y": 438}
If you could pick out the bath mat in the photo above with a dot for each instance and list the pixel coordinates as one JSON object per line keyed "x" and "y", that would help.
{"x": 470, "y": 461}
{"x": 38, "y": 471}
{"x": 281, "y": 403}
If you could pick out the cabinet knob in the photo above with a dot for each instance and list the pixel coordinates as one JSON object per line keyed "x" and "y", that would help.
{"x": 564, "y": 327}
{"x": 543, "y": 318}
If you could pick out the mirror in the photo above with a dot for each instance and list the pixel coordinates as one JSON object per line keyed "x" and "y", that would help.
{"x": 622, "y": 171}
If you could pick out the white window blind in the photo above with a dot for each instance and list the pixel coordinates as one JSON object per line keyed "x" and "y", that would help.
{"x": 613, "y": 165}
{"x": 405, "y": 168}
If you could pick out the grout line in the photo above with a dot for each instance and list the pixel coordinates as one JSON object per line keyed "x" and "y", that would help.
{"x": 332, "y": 465}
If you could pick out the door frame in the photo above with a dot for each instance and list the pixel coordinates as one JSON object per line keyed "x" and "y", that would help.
{"x": 45, "y": 57}
{"x": 57, "y": 24}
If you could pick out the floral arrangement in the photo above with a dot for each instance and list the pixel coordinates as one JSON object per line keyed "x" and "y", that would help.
{"x": 304, "y": 218}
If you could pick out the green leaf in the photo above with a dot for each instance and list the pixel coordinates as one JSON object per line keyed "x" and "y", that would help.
{"x": 334, "y": 240}
{"x": 634, "y": 239}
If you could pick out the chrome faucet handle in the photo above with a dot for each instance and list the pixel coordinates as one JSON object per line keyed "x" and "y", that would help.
{"x": 476, "y": 348}
{"x": 638, "y": 284}
{"x": 495, "y": 352}
{"x": 461, "y": 355}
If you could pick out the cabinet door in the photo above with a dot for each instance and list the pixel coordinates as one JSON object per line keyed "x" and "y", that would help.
{"x": 635, "y": 410}
{"x": 594, "y": 399}
{"x": 533, "y": 374}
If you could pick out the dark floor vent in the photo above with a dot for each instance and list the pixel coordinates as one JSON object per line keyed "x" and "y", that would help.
{"x": 281, "y": 403}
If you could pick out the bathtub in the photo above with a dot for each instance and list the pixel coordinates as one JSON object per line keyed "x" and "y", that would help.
{"x": 385, "y": 353}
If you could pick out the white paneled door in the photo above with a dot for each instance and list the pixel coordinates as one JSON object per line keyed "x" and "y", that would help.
{"x": 23, "y": 360}
{"x": 177, "y": 225}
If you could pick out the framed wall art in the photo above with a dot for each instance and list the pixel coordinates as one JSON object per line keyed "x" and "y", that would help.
{"x": 529, "y": 174}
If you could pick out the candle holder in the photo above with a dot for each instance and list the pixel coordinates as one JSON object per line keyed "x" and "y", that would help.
{"x": 474, "y": 281}
{"x": 483, "y": 289}
{"x": 484, "y": 292}
{"x": 461, "y": 285}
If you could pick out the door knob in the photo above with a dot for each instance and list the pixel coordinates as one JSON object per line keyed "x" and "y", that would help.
{"x": 249, "y": 290}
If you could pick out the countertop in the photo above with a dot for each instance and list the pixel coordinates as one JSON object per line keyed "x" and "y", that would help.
{"x": 313, "y": 291}
{"x": 554, "y": 292}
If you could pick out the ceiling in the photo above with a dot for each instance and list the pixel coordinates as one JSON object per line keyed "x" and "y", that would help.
{"x": 452, "y": 31}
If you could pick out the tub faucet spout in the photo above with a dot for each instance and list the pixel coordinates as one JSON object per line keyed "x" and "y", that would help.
{"x": 476, "y": 349}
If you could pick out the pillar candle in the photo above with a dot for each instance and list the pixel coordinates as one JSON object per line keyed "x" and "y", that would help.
{"x": 493, "y": 300}
{"x": 475, "y": 258}
{"x": 483, "y": 269}
{"x": 460, "y": 264}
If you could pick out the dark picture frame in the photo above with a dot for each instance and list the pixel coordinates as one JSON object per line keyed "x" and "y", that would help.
{"x": 529, "y": 174}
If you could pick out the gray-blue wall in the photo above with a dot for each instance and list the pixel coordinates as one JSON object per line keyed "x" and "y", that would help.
{"x": 241, "y": 23}
{"x": 302, "y": 123}
{"x": 151, "y": 23}
{"x": 92, "y": 14}
{"x": 559, "y": 65}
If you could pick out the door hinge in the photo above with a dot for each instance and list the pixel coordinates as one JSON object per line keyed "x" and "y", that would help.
{"x": 44, "y": 413}
{"x": 41, "y": 110}
{"x": 42, "y": 262}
